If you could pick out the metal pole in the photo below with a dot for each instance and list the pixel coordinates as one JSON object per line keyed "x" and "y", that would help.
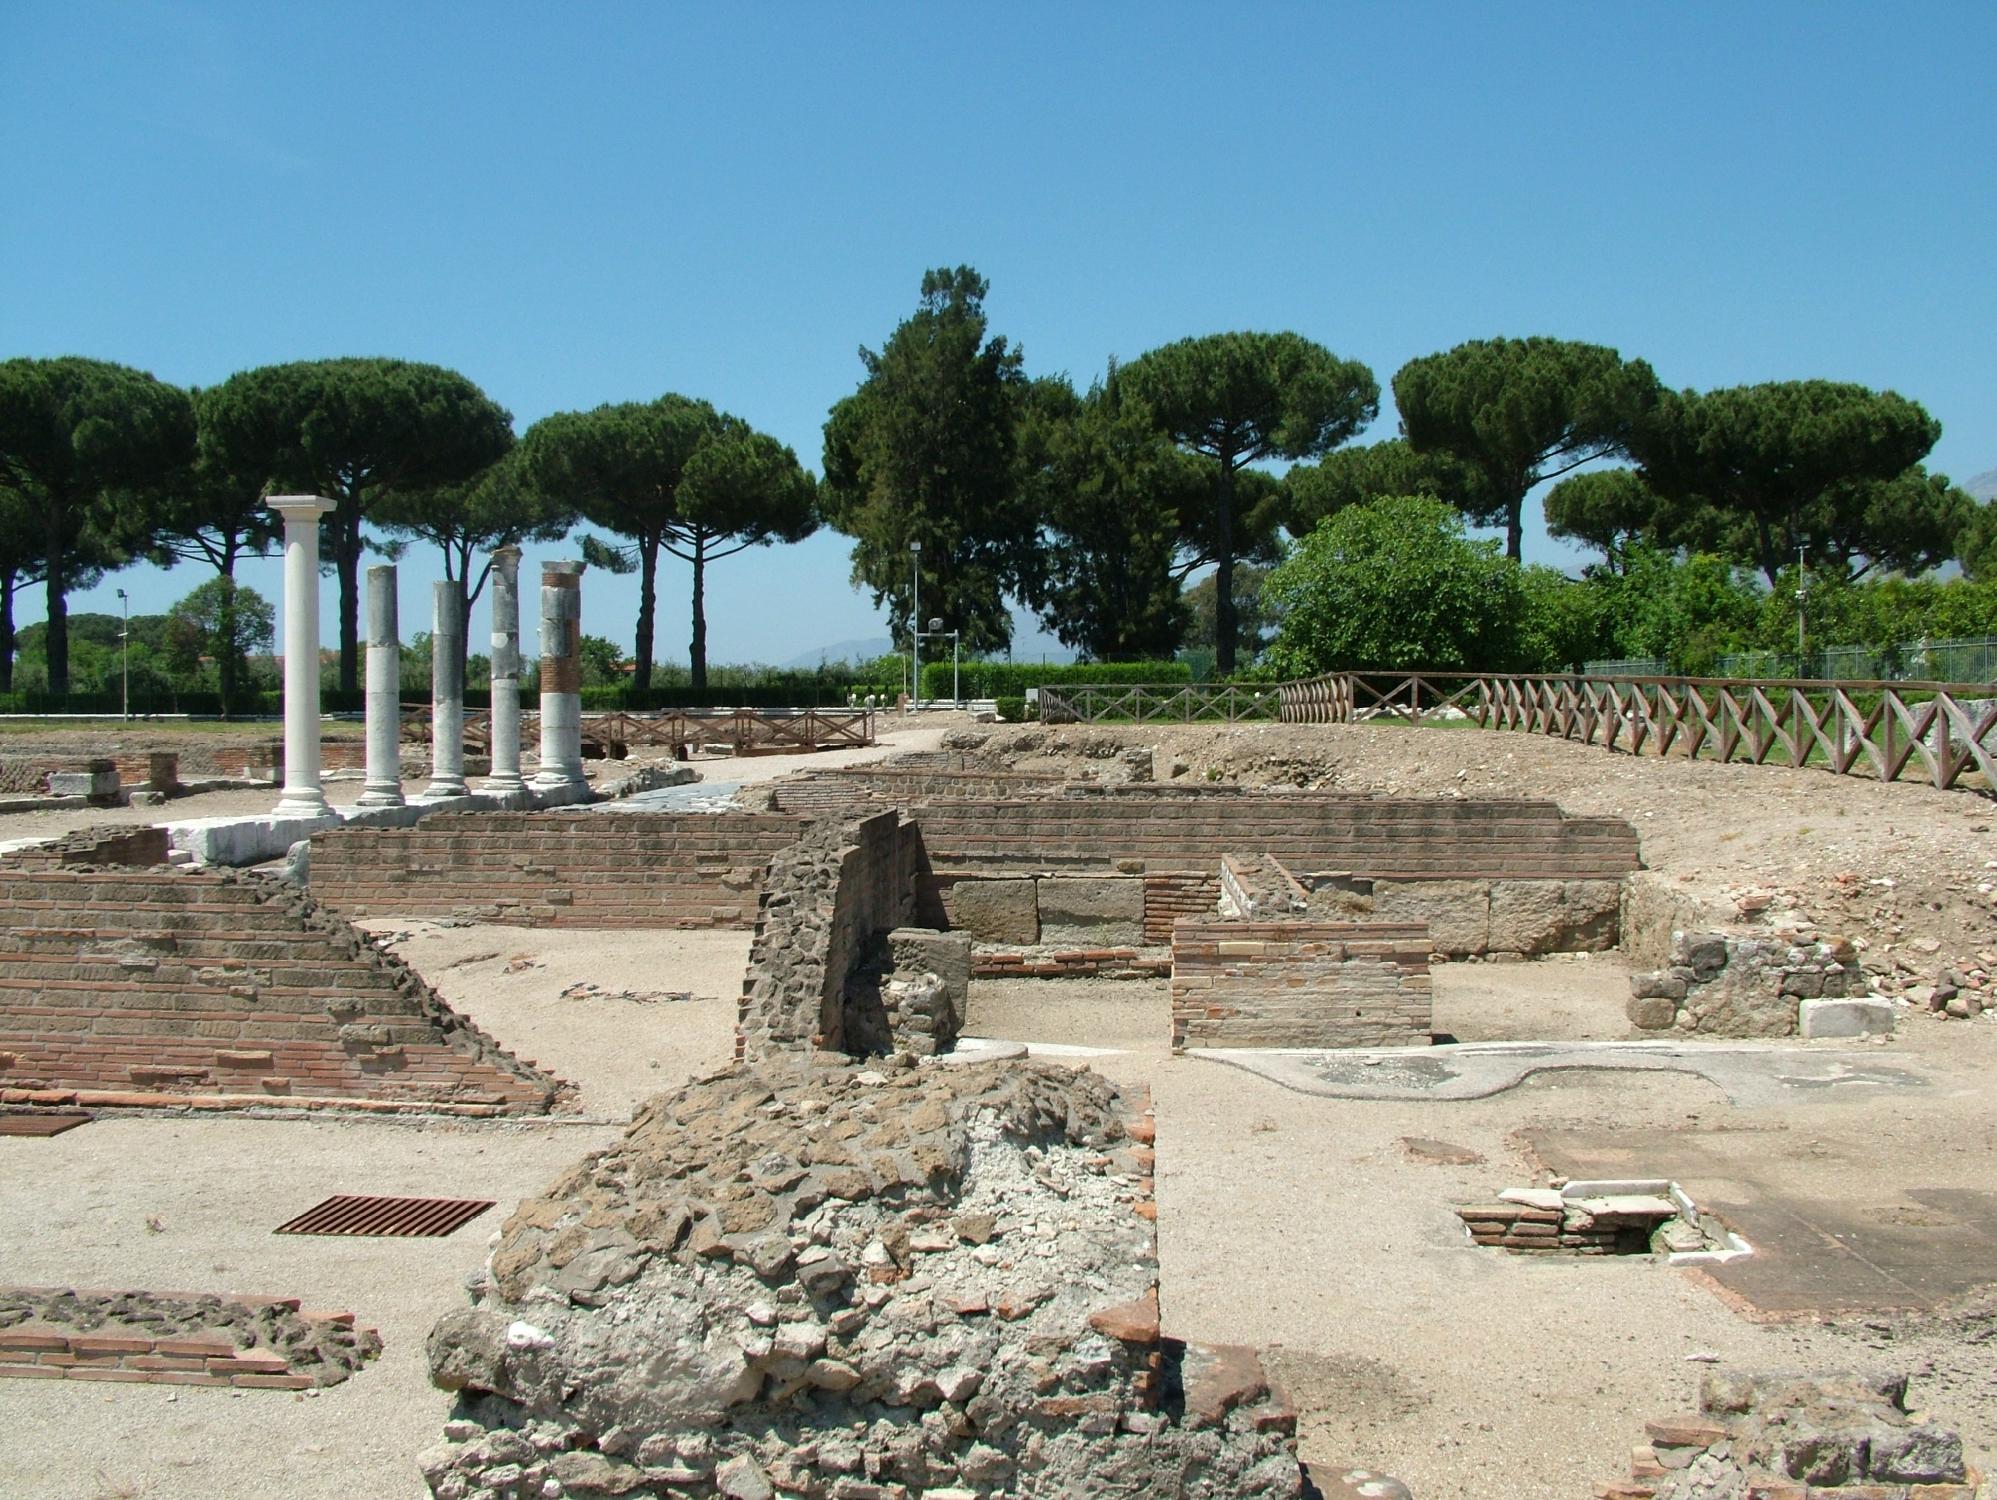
{"x": 956, "y": 668}
{"x": 915, "y": 629}
{"x": 125, "y": 651}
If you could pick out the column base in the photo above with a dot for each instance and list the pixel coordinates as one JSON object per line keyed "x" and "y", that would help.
{"x": 504, "y": 783}
{"x": 382, "y": 797}
{"x": 302, "y": 803}
{"x": 443, "y": 788}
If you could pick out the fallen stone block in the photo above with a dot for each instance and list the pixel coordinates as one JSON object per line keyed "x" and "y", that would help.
{"x": 1841, "y": 1018}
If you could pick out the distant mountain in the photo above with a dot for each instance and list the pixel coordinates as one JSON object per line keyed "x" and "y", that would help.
{"x": 853, "y": 651}
{"x": 1983, "y": 486}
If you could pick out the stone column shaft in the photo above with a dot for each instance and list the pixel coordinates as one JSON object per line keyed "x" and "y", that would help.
{"x": 561, "y": 675}
{"x": 447, "y": 693}
{"x": 303, "y": 794}
{"x": 384, "y": 692}
{"x": 505, "y": 775}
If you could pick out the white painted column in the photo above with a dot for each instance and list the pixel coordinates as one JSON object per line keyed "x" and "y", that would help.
{"x": 303, "y": 795}
{"x": 561, "y": 676}
{"x": 447, "y": 693}
{"x": 505, "y": 775}
{"x": 384, "y": 693}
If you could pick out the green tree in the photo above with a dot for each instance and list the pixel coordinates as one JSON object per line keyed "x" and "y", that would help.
{"x": 1395, "y": 584}
{"x": 1758, "y": 471}
{"x": 1607, "y": 509}
{"x": 1975, "y": 543}
{"x": 1372, "y": 471}
{"x": 742, "y": 489}
{"x": 500, "y": 507}
{"x": 1687, "y": 611}
{"x": 1239, "y": 398}
{"x": 924, "y": 452}
{"x": 1519, "y": 412}
{"x": 1254, "y": 618}
{"x": 222, "y": 621}
{"x": 1562, "y": 623}
{"x": 89, "y": 446}
{"x": 1110, "y": 490}
{"x": 353, "y": 431}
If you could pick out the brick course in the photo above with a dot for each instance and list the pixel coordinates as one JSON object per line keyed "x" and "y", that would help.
{"x": 556, "y": 869}
{"x": 1299, "y": 984}
{"x": 148, "y": 986}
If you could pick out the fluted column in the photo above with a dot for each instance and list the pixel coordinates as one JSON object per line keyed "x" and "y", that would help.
{"x": 383, "y": 787}
{"x": 505, "y": 775}
{"x": 561, "y": 676}
{"x": 303, "y": 794}
{"x": 447, "y": 692}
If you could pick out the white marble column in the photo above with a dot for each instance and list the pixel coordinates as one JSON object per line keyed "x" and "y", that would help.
{"x": 303, "y": 795}
{"x": 384, "y": 692}
{"x": 561, "y": 676}
{"x": 447, "y": 693}
{"x": 505, "y": 716}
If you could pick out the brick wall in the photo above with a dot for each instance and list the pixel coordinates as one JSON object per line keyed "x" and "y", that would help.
{"x": 219, "y": 989}
{"x": 109, "y": 844}
{"x": 1299, "y": 984}
{"x": 1382, "y": 838}
{"x": 556, "y": 869}
{"x": 820, "y": 792}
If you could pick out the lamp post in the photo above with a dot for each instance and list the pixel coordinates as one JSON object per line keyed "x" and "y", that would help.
{"x": 915, "y": 628}
{"x": 956, "y": 666}
{"x": 1802, "y": 603}
{"x": 125, "y": 653}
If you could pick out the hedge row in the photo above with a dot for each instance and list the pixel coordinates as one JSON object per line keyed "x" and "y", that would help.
{"x": 1009, "y": 679}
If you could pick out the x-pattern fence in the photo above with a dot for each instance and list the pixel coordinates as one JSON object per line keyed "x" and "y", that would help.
{"x": 1940, "y": 730}
{"x": 1170, "y": 703}
{"x": 746, "y": 731}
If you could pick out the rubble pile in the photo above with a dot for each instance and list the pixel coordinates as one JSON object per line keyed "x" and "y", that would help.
{"x": 1785, "y": 1436}
{"x": 811, "y": 1278}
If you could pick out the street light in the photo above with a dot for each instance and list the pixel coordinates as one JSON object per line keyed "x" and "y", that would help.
{"x": 956, "y": 670}
{"x": 125, "y": 650}
{"x": 915, "y": 627}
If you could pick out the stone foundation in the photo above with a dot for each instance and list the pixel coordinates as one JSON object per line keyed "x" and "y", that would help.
{"x": 1299, "y": 984}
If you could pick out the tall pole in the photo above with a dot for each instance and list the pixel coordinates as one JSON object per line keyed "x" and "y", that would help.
{"x": 125, "y": 648}
{"x": 303, "y": 795}
{"x": 915, "y": 628}
{"x": 1802, "y": 598}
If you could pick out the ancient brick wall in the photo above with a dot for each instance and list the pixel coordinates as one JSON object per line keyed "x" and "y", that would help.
{"x": 820, "y": 792}
{"x": 555, "y": 869}
{"x": 109, "y": 844}
{"x": 218, "y": 989}
{"x": 1299, "y": 984}
{"x": 826, "y": 901}
{"x": 1377, "y": 837}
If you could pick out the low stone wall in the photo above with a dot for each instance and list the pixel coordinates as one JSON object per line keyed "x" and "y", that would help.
{"x": 555, "y": 869}
{"x": 826, "y": 901}
{"x": 1299, "y": 984}
{"x": 112, "y": 844}
{"x": 1787, "y": 1435}
{"x": 177, "y": 1338}
{"x": 220, "y": 989}
{"x": 1731, "y": 984}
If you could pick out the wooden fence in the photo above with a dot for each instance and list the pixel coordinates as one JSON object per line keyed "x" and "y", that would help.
{"x": 1934, "y": 731}
{"x": 746, "y": 731}
{"x": 1168, "y": 703}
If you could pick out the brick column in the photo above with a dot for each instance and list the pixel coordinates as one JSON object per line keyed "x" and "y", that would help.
{"x": 505, "y": 718}
{"x": 447, "y": 693}
{"x": 384, "y": 693}
{"x": 303, "y": 795}
{"x": 561, "y": 675}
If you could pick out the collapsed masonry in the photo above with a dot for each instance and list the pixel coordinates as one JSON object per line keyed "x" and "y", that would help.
{"x": 824, "y": 1281}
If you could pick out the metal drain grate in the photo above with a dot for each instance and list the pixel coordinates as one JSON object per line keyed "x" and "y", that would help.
{"x": 405, "y": 1218}
{"x": 40, "y": 1125}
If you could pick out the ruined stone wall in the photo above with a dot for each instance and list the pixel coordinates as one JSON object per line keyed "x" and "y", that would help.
{"x": 825, "y": 903}
{"x": 221, "y": 989}
{"x": 822, "y": 792}
{"x": 555, "y": 869}
{"x": 111, "y": 844}
{"x": 1300, "y": 984}
{"x": 1736, "y": 984}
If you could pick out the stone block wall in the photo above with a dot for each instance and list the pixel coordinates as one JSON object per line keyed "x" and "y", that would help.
{"x": 1299, "y": 984}
{"x": 219, "y": 989}
{"x": 555, "y": 869}
{"x": 826, "y": 902}
{"x": 1733, "y": 984}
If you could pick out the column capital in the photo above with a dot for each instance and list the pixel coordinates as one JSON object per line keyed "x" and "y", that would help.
{"x": 509, "y": 550}
{"x": 301, "y": 507}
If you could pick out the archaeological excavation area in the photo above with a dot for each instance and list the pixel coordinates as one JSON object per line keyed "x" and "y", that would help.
{"x": 1249, "y": 1110}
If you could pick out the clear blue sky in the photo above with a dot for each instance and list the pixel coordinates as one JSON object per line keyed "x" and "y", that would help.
{"x": 579, "y": 204}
